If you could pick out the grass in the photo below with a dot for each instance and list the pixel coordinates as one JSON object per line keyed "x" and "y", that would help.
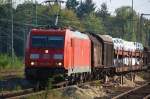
{"x": 15, "y": 88}
{"x": 144, "y": 75}
{"x": 6, "y": 62}
{"x": 52, "y": 94}
{"x": 49, "y": 93}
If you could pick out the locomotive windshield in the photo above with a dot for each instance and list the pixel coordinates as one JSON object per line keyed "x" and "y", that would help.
{"x": 44, "y": 41}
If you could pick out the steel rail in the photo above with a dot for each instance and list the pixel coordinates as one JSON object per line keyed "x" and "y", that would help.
{"x": 147, "y": 97}
{"x": 130, "y": 91}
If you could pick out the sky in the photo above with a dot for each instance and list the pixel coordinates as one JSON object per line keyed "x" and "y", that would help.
{"x": 140, "y": 6}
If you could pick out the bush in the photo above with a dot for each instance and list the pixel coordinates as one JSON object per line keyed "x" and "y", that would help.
{"x": 6, "y": 62}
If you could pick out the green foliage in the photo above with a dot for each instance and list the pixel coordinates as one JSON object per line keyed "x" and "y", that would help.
{"x": 125, "y": 12}
{"x": 145, "y": 32}
{"x": 24, "y": 13}
{"x": 81, "y": 16}
{"x": 6, "y": 62}
{"x": 93, "y": 24}
{"x": 72, "y": 4}
{"x": 69, "y": 19}
{"x": 3, "y": 2}
{"x": 4, "y": 9}
{"x": 126, "y": 23}
{"x": 106, "y": 18}
{"x": 85, "y": 8}
{"x": 53, "y": 94}
{"x": 17, "y": 87}
{"x": 103, "y": 12}
{"x": 49, "y": 87}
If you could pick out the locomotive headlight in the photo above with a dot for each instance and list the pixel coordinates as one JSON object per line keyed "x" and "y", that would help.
{"x": 59, "y": 64}
{"x": 32, "y": 63}
{"x": 46, "y": 51}
{"x": 34, "y": 56}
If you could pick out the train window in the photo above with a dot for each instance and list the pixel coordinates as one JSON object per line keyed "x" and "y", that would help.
{"x": 39, "y": 41}
{"x": 55, "y": 41}
{"x": 47, "y": 41}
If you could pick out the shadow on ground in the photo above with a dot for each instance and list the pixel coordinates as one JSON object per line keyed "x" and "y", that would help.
{"x": 14, "y": 83}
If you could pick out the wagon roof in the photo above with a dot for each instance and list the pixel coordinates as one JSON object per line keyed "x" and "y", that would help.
{"x": 93, "y": 37}
{"x": 105, "y": 38}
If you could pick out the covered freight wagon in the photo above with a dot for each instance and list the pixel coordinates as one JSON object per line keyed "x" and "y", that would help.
{"x": 107, "y": 50}
{"x": 96, "y": 51}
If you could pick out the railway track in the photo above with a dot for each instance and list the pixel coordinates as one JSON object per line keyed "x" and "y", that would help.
{"x": 21, "y": 94}
{"x": 141, "y": 92}
{"x": 147, "y": 97}
{"x": 31, "y": 91}
{"x": 15, "y": 94}
{"x": 62, "y": 85}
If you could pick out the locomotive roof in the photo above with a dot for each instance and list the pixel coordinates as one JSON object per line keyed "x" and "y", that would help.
{"x": 47, "y": 30}
{"x": 76, "y": 34}
{"x": 80, "y": 35}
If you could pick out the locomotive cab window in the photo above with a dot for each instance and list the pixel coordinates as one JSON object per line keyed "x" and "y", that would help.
{"x": 39, "y": 41}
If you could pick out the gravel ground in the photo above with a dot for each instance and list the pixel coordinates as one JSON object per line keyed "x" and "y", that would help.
{"x": 87, "y": 91}
{"x": 102, "y": 91}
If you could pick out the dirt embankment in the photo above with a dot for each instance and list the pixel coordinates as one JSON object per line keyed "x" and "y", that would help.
{"x": 101, "y": 91}
{"x": 84, "y": 92}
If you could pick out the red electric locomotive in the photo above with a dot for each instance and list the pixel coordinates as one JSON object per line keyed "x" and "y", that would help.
{"x": 56, "y": 51}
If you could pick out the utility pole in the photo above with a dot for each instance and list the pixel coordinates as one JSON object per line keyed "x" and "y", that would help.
{"x": 140, "y": 28}
{"x": 58, "y": 2}
{"x": 36, "y": 13}
{"x": 24, "y": 42}
{"x": 12, "y": 32}
{"x": 132, "y": 18}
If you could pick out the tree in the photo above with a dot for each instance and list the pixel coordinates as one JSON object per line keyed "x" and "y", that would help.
{"x": 125, "y": 20}
{"x": 105, "y": 16}
{"x": 72, "y": 4}
{"x": 93, "y": 24}
{"x": 5, "y": 26}
{"x": 84, "y": 19}
{"x": 145, "y": 35}
{"x": 85, "y": 8}
{"x": 2, "y": 2}
{"x": 103, "y": 12}
{"x": 69, "y": 19}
